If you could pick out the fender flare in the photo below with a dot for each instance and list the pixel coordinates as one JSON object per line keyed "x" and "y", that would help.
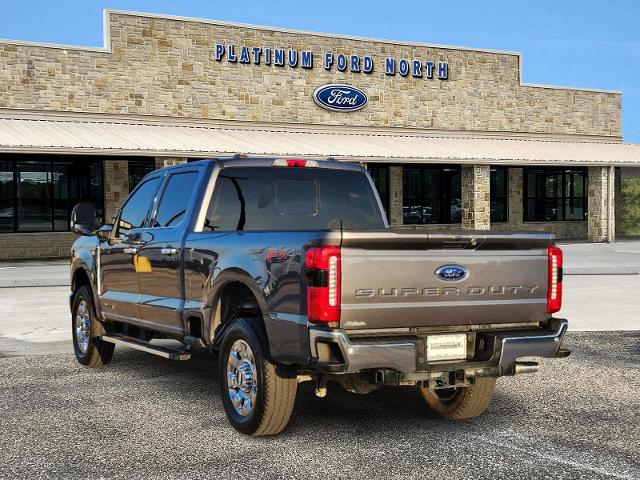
{"x": 222, "y": 280}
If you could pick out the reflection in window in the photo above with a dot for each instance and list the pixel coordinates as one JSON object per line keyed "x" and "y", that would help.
{"x": 431, "y": 195}
{"x": 38, "y": 192}
{"x": 380, "y": 176}
{"x": 555, "y": 194}
{"x": 138, "y": 206}
{"x": 175, "y": 199}
{"x": 138, "y": 168}
{"x": 34, "y": 197}
{"x": 498, "y": 188}
{"x": 6, "y": 197}
{"x": 292, "y": 199}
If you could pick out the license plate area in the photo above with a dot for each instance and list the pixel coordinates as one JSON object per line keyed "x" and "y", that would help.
{"x": 446, "y": 347}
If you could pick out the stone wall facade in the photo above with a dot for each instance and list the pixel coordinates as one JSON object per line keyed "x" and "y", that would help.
{"x": 24, "y": 246}
{"x": 167, "y": 67}
{"x": 162, "y": 66}
{"x": 395, "y": 195}
{"x": 162, "y": 162}
{"x": 116, "y": 186}
{"x": 475, "y": 196}
{"x": 599, "y": 215}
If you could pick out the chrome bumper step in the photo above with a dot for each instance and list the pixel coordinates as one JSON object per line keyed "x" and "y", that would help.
{"x": 159, "y": 350}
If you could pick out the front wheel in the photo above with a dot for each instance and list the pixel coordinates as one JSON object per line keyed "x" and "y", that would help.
{"x": 461, "y": 403}
{"x": 258, "y": 395}
{"x": 90, "y": 350}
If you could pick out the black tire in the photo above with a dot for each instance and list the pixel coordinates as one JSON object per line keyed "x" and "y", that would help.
{"x": 461, "y": 403}
{"x": 95, "y": 352}
{"x": 275, "y": 392}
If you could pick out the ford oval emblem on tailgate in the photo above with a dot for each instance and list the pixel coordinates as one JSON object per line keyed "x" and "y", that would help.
{"x": 451, "y": 273}
{"x": 340, "y": 98}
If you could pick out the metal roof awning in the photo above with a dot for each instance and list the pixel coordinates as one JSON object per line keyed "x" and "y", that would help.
{"x": 91, "y": 135}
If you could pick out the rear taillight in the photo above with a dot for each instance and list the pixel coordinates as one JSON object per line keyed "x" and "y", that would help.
{"x": 554, "y": 292}
{"x": 323, "y": 288}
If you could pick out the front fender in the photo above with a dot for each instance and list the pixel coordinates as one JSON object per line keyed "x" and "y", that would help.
{"x": 83, "y": 266}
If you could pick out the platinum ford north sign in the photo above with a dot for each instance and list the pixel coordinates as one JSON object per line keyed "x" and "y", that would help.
{"x": 340, "y": 98}
{"x": 280, "y": 57}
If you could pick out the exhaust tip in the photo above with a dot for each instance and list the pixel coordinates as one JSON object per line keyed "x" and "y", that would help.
{"x": 525, "y": 367}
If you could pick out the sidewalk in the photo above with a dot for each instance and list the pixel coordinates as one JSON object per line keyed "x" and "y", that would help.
{"x": 37, "y": 273}
{"x": 621, "y": 258}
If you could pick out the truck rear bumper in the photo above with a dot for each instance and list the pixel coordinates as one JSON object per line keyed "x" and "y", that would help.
{"x": 503, "y": 349}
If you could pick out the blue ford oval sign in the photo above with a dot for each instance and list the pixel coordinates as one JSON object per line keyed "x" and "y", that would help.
{"x": 340, "y": 98}
{"x": 451, "y": 273}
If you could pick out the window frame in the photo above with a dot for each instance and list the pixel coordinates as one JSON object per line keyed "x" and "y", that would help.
{"x": 444, "y": 196}
{"x": 132, "y": 164}
{"x": 562, "y": 198}
{"x": 505, "y": 198}
{"x": 51, "y": 161}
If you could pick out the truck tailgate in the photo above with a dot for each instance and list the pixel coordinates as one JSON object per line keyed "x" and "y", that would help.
{"x": 389, "y": 279}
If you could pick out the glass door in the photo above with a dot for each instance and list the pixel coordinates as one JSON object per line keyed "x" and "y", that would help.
{"x": 34, "y": 197}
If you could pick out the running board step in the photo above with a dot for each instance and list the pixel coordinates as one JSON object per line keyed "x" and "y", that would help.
{"x": 160, "y": 351}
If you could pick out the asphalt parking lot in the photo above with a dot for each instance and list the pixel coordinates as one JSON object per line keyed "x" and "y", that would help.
{"x": 145, "y": 417}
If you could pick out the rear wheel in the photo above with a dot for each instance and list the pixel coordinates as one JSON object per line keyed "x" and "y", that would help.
{"x": 86, "y": 329}
{"x": 258, "y": 395}
{"x": 461, "y": 403}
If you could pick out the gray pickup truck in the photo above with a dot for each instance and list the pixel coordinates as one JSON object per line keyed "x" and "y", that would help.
{"x": 287, "y": 270}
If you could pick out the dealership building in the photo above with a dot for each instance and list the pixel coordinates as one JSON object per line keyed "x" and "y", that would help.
{"x": 452, "y": 137}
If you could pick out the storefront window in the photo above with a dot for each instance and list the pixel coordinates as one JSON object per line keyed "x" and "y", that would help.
{"x": 554, "y": 194}
{"x": 138, "y": 168}
{"x": 38, "y": 192}
{"x": 498, "y": 187}
{"x": 431, "y": 195}
{"x": 6, "y": 196}
{"x": 380, "y": 176}
{"x": 34, "y": 210}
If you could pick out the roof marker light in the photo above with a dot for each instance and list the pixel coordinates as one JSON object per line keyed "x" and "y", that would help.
{"x": 294, "y": 162}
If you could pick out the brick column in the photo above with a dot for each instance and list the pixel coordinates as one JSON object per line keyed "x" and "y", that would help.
{"x": 516, "y": 191}
{"x": 116, "y": 186}
{"x": 475, "y": 197}
{"x": 162, "y": 162}
{"x": 598, "y": 221}
{"x": 395, "y": 196}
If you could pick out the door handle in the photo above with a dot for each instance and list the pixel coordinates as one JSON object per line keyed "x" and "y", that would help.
{"x": 130, "y": 250}
{"x": 168, "y": 251}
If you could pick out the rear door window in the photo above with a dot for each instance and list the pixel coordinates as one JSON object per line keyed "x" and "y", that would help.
{"x": 275, "y": 198}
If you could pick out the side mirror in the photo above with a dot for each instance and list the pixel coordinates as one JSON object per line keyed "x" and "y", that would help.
{"x": 83, "y": 219}
{"x": 103, "y": 232}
